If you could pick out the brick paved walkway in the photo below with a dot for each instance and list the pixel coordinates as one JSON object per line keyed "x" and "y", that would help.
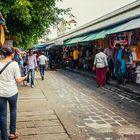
{"x": 96, "y": 120}
{"x": 35, "y": 120}
{"x": 42, "y": 111}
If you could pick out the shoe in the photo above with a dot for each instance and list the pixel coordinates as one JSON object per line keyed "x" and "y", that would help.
{"x": 108, "y": 83}
{"x": 97, "y": 86}
{"x": 102, "y": 86}
{"x": 42, "y": 77}
{"x": 124, "y": 82}
{"x": 13, "y": 136}
{"x": 32, "y": 86}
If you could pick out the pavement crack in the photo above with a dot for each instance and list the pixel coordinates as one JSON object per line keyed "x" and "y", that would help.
{"x": 62, "y": 124}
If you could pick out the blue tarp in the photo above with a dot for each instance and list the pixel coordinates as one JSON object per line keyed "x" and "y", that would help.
{"x": 39, "y": 47}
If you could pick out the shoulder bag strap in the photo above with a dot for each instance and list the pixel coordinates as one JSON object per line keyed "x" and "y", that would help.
{"x": 5, "y": 67}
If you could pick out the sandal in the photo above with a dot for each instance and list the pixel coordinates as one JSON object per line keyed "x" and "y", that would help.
{"x": 13, "y": 136}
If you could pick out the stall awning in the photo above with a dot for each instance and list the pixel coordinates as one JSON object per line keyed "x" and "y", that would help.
{"x": 50, "y": 46}
{"x": 74, "y": 40}
{"x": 95, "y": 36}
{"x": 133, "y": 24}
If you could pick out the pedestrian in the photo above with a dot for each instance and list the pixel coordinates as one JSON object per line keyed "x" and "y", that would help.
{"x": 32, "y": 65}
{"x": 9, "y": 76}
{"x": 117, "y": 64}
{"x": 121, "y": 60}
{"x": 124, "y": 60}
{"x": 64, "y": 57}
{"x": 109, "y": 51}
{"x": 50, "y": 56}
{"x": 75, "y": 58}
{"x": 100, "y": 66}
{"x": 43, "y": 61}
{"x": 18, "y": 58}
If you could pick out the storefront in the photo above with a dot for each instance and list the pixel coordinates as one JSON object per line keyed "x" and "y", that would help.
{"x": 131, "y": 39}
{"x": 87, "y": 46}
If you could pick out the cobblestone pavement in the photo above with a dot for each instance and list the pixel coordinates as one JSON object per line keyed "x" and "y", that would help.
{"x": 35, "y": 120}
{"x": 102, "y": 114}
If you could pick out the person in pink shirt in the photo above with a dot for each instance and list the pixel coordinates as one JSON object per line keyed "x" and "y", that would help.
{"x": 109, "y": 51}
{"x": 32, "y": 65}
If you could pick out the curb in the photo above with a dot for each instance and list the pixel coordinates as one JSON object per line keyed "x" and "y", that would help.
{"x": 112, "y": 84}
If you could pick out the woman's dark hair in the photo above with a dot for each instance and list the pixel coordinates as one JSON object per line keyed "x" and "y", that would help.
{"x": 7, "y": 51}
{"x": 118, "y": 45}
{"x": 100, "y": 49}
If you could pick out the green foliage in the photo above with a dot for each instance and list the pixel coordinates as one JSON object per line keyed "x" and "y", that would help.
{"x": 29, "y": 19}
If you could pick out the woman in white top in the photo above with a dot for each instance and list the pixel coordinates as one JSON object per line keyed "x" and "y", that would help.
{"x": 9, "y": 77}
{"x": 101, "y": 67}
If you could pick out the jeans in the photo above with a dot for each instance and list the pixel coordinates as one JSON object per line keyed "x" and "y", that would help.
{"x": 50, "y": 63}
{"x": 31, "y": 74}
{"x": 111, "y": 68}
{"x": 117, "y": 70}
{"x": 75, "y": 64}
{"x": 42, "y": 70}
{"x": 3, "y": 115}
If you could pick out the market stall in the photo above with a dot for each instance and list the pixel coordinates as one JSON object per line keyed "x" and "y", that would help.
{"x": 131, "y": 39}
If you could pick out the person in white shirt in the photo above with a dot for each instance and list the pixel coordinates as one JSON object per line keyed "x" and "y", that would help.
{"x": 43, "y": 60}
{"x": 9, "y": 77}
{"x": 101, "y": 67}
{"x": 134, "y": 55}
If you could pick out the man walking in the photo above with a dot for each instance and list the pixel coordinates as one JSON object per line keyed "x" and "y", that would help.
{"x": 43, "y": 60}
{"x": 32, "y": 64}
{"x": 109, "y": 53}
{"x": 75, "y": 58}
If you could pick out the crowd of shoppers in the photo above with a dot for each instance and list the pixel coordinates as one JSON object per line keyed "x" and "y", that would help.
{"x": 114, "y": 62}
{"x": 122, "y": 63}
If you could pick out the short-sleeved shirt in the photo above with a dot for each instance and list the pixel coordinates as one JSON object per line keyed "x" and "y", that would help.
{"x": 32, "y": 62}
{"x": 109, "y": 52}
{"x": 75, "y": 54}
{"x": 8, "y": 85}
{"x": 42, "y": 60}
{"x": 100, "y": 60}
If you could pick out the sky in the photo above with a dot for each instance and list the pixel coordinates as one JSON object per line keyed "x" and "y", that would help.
{"x": 88, "y": 10}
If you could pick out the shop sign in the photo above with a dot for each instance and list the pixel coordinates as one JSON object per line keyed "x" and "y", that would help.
{"x": 121, "y": 39}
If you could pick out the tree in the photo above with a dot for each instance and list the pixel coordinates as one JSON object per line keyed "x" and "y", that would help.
{"x": 29, "y": 19}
